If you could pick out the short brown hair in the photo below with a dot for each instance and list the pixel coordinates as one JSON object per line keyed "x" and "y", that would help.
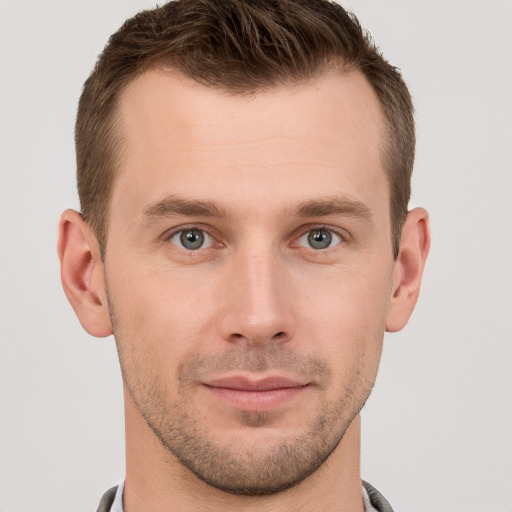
{"x": 239, "y": 46}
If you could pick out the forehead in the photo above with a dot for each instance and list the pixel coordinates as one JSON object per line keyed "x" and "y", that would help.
{"x": 288, "y": 142}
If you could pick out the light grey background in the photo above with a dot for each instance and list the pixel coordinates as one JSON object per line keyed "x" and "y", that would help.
{"x": 437, "y": 431}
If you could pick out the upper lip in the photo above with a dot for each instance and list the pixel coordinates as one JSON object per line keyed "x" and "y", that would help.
{"x": 247, "y": 384}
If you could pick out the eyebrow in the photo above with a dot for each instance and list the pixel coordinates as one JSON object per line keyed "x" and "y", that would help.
{"x": 174, "y": 205}
{"x": 336, "y": 205}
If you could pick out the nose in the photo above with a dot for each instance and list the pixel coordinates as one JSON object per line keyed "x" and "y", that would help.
{"x": 258, "y": 306}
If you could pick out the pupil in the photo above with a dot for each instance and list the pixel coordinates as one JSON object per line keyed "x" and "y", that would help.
{"x": 192, "y": 239}
{"x": 320, "y": 239}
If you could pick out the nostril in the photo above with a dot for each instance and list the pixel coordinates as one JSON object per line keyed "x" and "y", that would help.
{"x": 280, "y": 334}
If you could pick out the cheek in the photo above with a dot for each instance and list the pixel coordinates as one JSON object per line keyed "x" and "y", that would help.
{"x": 346, "y": 318}
{"x": 162, "y": 315}
{"x": 350, "y": 301}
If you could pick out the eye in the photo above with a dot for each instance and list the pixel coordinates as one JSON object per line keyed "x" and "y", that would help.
{"x": 192, "y": 239}
{"x": 320, "y": 238}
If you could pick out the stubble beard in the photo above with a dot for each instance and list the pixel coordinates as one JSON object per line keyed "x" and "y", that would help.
{"x": 239, "y": 467}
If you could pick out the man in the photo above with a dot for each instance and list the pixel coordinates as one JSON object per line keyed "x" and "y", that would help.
{"x": 244, "y": 174}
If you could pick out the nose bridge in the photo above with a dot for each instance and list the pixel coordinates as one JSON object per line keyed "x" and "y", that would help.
{"x": 258, "y": 309}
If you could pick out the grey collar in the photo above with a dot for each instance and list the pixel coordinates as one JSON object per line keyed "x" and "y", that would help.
{"x": 376, "y": 499}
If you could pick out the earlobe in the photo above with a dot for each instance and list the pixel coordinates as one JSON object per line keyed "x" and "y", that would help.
{"x": 82, "y": 273}
{"x": 414, "y": 247}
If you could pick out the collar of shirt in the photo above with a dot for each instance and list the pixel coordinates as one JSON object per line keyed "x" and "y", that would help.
{"x": 117, "y": 505}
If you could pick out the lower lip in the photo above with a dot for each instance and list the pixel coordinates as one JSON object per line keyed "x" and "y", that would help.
{"x": 256, "y": 400}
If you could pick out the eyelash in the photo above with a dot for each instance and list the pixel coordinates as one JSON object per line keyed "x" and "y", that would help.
{"x": 327, "y": 229}
{"x": 179, "y": 232}
{"x": 332, "y": 233}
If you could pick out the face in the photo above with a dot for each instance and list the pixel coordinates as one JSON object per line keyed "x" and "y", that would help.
{"x": 249, "y": 271}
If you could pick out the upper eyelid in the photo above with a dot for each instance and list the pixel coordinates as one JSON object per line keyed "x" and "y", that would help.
{"x": 297, "y": 233}
{"x": 174, "y": 231}
{"x": 342, "y": 233}
{"x": 336, "y": 233}
{"x": 167, "y": 238}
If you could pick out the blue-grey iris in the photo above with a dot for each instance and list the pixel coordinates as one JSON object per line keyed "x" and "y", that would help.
{"x": 192, "y": 239}
{"x": 320, "y": 238}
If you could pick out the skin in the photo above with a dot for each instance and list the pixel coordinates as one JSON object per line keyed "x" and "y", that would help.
{"x": 257, "y": 175}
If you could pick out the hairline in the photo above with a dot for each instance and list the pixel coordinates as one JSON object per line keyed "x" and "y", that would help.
{"x": 331, "y": 66}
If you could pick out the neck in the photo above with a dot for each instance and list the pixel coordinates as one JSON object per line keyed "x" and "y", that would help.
{"x": 156, "y": 481}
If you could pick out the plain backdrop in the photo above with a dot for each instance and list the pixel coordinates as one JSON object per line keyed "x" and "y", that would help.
{"x": 437, "y": 431}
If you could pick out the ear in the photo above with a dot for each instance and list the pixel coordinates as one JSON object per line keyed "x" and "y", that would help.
{"x": 82, "y": 273}
{"x": 414, "y": 247}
